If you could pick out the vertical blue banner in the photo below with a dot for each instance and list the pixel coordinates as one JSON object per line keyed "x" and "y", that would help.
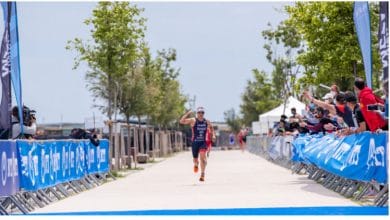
{"x": 15, "y": 60}
{"x": 361, "y": 17}
{"x": 9, "y": 177}
{"x": 383, "y": 36}
{"x": 5, "y": 70}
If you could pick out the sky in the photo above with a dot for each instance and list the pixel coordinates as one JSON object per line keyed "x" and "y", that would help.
{"x": 217, "y": 44}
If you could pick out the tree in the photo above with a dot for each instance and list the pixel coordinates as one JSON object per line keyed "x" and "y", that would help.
{"x": 170, "y": 101}
{"x": 332, "y": 48}
{"x": 283, "y": 38}
{"x": 258, "y": 98}
{"x": 232, "y": 120}
{"x": 117, "y": 30}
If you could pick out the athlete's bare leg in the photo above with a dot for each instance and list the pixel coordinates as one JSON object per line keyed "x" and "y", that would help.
{"x": 196, "y": 165}
{"x": 203, "y": 163}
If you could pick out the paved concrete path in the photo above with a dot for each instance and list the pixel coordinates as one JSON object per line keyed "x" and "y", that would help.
{"x": 233, "y": 180}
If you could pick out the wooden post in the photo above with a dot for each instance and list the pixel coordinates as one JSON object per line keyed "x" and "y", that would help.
{"x": 141, "y": 140}
{"x": 129, "y": 145}
{"x": 147, "y": 141}
{"x": 136, "y": 145}
{"x": 116, "y": 149}
{"x": 122, "y": 150}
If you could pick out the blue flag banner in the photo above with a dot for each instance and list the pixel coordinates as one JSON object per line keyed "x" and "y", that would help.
{"x": 15, "y": 60}
{"x": 383, "y": 36}
{"x": 9, "y": 184}
{"x": 361, "y": 17}
{"x": 47, "y": 163}
{"x": 5, "y": 70}
{"x": 359, "y": 157}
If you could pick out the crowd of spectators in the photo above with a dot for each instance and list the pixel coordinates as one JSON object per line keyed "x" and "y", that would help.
{"x": 343, "y": 113}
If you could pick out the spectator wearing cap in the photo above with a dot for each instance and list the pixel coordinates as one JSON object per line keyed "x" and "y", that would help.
{"x": 366, "y": 98}
{"x": 328, "y": 98}
{"x": 340, "y": 109}
{"x": 358, "y": 119}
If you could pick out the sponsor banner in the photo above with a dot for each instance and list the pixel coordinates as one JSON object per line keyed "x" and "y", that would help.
{"x": 383, "y": 36}
{"x": 96, "y": 157}
{"x": 9, "y": 176}
{"x": 359, "y": 157}
{"x": 48, "y": 163}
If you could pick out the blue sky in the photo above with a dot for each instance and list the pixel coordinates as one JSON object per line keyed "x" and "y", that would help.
{"x": 218, "y": 44}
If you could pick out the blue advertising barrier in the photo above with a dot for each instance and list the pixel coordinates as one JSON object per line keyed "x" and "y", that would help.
{"x": 359, "y": 157}
{"x": 9, "y": 184}
{"x": 47, "y": 163}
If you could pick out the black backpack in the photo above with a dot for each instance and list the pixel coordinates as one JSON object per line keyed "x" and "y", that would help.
{"x": 78, "y": 133}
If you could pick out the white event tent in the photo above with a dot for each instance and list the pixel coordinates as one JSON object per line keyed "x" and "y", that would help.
{"x": 268, "y": 119}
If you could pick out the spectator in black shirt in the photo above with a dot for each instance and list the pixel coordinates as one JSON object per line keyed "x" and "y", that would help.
{"x": 360, "y": 124}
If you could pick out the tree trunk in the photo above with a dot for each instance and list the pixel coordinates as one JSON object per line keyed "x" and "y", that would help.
{"x": 109, "y": 114}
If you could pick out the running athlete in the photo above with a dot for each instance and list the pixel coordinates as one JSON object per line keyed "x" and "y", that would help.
{"x": 199, "y": 147}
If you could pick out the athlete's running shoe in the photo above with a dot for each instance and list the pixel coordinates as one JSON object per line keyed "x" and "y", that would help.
{"x": 201, "y": 178}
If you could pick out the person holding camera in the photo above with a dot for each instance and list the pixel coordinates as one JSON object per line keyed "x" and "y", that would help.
{"x": 29, "y": 124}
{"x": 368, "y": 99}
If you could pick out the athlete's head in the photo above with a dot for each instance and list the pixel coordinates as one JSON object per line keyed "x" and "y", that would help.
{"x": 200, "y": 112}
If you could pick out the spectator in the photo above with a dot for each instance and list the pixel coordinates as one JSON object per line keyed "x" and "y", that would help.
{"x": 328, "y": 98}
{"x": 29, "y": 130}
{"x": 295, "y": 117}
{"x": 309, "y": 115}
{"x": 231, "y": 139}
{"x": 367, "y": 97}
{"x": 360, "y": 124}
{"x": 325, "y": 124}
{"x": 286, "y": 123}
{"x": 340, "y": 109}
{"x": 334, "y": 90}
{"x": 281, "y": 129}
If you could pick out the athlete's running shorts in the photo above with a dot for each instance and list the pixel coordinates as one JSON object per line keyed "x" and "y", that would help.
{"x": 198, "y": 146}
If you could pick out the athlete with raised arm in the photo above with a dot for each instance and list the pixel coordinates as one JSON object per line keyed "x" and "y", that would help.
{"x": 199, "y": 131}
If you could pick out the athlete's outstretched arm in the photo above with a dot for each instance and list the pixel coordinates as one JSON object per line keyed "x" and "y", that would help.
{"x": 186, "y": 121}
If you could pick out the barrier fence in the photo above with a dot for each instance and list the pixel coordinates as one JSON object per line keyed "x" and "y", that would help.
{"x": 351, "y": 165}
{"x": 36, "y": 172}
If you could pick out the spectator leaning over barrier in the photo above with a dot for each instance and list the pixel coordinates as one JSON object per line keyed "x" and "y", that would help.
{"x": 309, "y": 114}
{"x": 281, "y": 129}
{"x": 340, "y": 109}
{"x": 29, "y": 130}
{"x": 324, "y": 125}
{"x": 360, "y": 124}
{"x": 367, "y": 98}
{"x": 328, "y": 98}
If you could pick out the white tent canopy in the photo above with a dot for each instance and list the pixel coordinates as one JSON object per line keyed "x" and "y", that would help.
{"x": 268, "y": 119}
